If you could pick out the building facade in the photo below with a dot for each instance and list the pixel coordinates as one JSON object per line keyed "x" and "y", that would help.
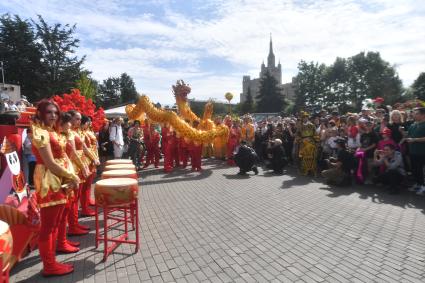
{"x": 253, "y": 85}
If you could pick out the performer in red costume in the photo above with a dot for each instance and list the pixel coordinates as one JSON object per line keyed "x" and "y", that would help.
{"x": 90, "y": 150}
{"x": 52, "y": 171}
{"x": 183, "y": 149}
{"x": 64, "y": 245}
{"x": 195, "y": 150}
{"x": 166, "y": 140}
{"x": 171, "y": 156}
{"x": 152, "y": 144}
{"x": 75, "y": 150}
{"x": 233, "y": 142}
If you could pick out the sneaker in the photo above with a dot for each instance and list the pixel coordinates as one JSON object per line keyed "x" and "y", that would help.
{"x": 421, "y": 191}
{"x": 255, "y": 169}
{"x": 368, "y": 182}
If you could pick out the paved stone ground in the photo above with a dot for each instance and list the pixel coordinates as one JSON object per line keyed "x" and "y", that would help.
{"x": 215, "y": 226}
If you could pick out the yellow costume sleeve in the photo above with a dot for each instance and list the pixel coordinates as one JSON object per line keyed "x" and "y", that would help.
{"x": 40, "y": 136}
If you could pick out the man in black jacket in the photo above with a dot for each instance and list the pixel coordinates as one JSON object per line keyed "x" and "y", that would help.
{"x": 246, "y": 159}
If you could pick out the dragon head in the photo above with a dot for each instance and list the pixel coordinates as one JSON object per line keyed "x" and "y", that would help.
{"x": 181, "y": 90}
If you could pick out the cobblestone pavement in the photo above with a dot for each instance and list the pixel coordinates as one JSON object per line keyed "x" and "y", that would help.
{"x": 216, "y": 226}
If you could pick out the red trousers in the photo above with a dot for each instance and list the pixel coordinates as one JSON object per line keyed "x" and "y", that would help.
{"x": 153, "y": 156}
{"x": 171, "y": 157}
{"x": 196, "y": 156}
{"x": 183, "y": 155}
{"x": 231, "y": 146}
{"x": 85, "y": 194}
{"x": 50, "y": 218}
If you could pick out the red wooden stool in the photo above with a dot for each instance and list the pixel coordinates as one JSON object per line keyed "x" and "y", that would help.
{"x": 6, "y": 244}
{"x": 112, "y": 194}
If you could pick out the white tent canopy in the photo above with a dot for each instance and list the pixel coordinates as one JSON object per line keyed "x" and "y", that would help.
{"x": 115, "y": 112}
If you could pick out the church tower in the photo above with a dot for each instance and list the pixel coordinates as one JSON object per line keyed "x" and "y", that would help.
{"x": 276, "y": 71}
{"x": 271, "y": 58}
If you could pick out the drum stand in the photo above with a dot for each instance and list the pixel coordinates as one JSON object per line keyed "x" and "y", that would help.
{"x": 116, "y": 220}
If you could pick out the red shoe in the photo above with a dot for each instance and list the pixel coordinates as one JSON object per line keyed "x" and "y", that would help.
{"x": 83, "y": 227}
{"x": 57, "y": 269}
{"x": 67, "y": 249}
{"x": 73, "y": 243}
{"x": 77, "y": 232}
{"x": 88, "y": 213}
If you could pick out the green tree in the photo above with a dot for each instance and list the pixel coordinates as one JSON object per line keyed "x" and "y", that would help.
{"x": 311, "y": 86}
{"x": 418, "y": 87}
{"x": 87, "y": 85}
{"x": 370, "y": 77}
{"x": 21, "y": 56}
{"x": 57, "y": 45}
{"x": 269, "y": 96}
{"x": 346, "y": 83}
{"x": 248, "y": 105}
{"x": 109, "y": 93}
{"x": 128, "y": 89}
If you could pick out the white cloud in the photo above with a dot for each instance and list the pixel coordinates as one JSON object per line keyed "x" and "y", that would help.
{"x": 158, "y": 50}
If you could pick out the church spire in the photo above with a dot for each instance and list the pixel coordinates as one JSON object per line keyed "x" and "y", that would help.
{"x": 271, "y": 58}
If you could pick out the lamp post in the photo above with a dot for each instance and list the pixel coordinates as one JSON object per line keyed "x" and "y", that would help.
{"x": 229, "y": 97}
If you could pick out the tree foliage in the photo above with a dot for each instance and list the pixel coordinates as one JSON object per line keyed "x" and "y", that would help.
{"x": 39, "y": 57}
{"x": 57, "y": 45}
{"x": 128, "y": 89}
{"x": 269, "y": 96}
{"x": 418, "y": 87}
{"x": 248, "y": 105}
{"x": 21, "y": 56}
{"x": 347, "y": 82}
{"x": 117, "y": 90}
{"x": 87, "y": 86}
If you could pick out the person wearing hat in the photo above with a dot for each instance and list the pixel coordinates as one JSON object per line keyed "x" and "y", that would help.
{"x": 339, "y": 173}
{"x": 379, "y": 104}
{"x": 386, "y": 139}
{"x": 307, "y": 145}
{"x": 277, "y": 157}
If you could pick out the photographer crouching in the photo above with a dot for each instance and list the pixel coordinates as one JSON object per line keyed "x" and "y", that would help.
{"x": 391, "y": 165}
{"x": 246, "y": 159}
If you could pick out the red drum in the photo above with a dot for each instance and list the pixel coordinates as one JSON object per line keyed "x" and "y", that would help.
{"x": 116, "y": 191}
{"x": 116, "y": 195}
{"x": 119, "y": 161}
{"x": 120, "y": 167}
{"x": 120, "y": 173}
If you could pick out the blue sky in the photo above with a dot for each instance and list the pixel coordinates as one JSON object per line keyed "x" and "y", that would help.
{"x": 211, "y": 44}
